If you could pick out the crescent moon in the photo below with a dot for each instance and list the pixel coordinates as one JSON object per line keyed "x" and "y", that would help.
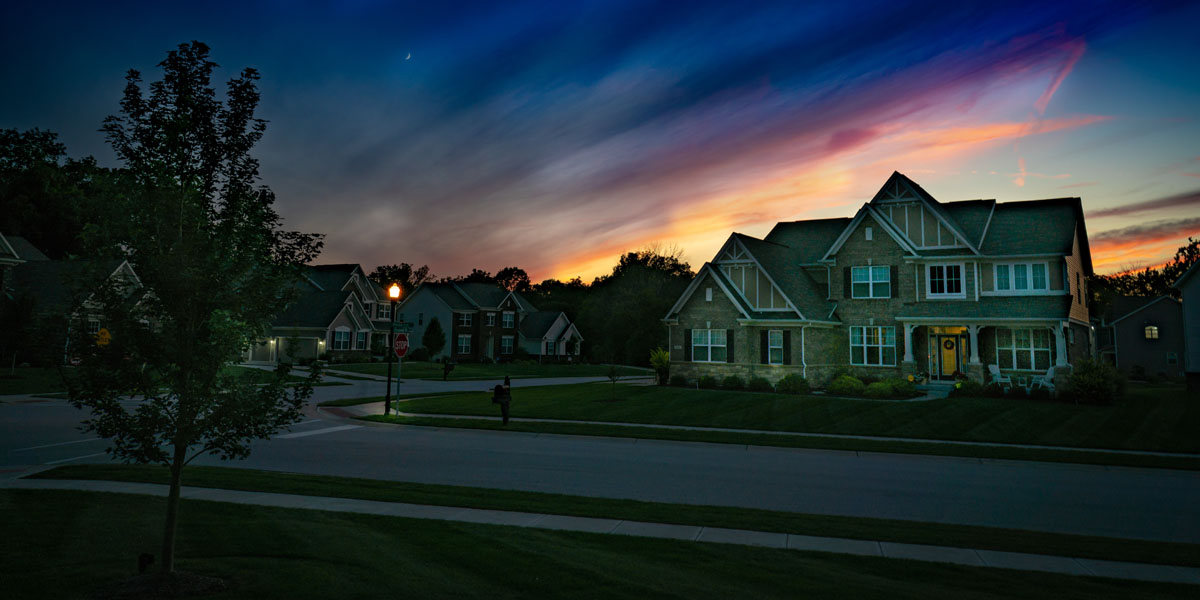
{"x": 409, "y": 56}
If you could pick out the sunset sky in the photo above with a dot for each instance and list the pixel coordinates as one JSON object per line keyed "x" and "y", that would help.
{"x": 555, "y": 136}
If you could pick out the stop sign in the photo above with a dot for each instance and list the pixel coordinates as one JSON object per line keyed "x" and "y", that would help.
{"x": 400, "y": 346}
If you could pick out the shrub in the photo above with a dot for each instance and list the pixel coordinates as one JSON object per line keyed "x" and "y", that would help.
{"x": 733, "y": 382}
{"x": 1094, "y": 382}
{"x": 759, "y": 384}
{"x": 847, "y": 385}
{"x": 660, "y": 360}
{"x": 879, "y": 389}
{"x": 994, "y": 390}
{"x": 967, "y": 389}
{"x": 902, "y": 388}
{"x": 708, "y": 382}
{"x": 793, "y": 384}
{"x": 679, "y": 380}
{"x": 418, "y": 355}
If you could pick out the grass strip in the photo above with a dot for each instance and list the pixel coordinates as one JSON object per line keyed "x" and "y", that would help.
{"x": 265, "y": 552}
{"x": 966, "y": 536}
{"x": 1081, "y": 456}
{"x": 372, "y": 399}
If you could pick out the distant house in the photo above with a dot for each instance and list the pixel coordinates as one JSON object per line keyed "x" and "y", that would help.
{"x": 339, "y": 312}
{"x": 14, "y": 251}
{"x": 1189, "y": 285}
{"x": 907, "y": 285}
{"x": 485, "y": 322}
{"x": 1142, "y": 336}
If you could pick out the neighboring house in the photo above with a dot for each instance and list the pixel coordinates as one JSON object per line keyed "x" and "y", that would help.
{"x": 485, "y": 322}
{"x": 14, "y": 251}
{"x": 1189, "y": 286}
{"x": 908, "y": 285}
{"x": 339, "y": 312}
{"x": 1142, "y": 335}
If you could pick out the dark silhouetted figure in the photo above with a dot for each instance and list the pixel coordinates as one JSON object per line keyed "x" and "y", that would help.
{"x": 447, "y": 366}
{"x": 501, "y": 396}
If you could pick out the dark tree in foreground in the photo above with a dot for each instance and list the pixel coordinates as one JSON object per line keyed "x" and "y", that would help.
{"x": 434, "y": 338}
{"x": 213, "y": 270}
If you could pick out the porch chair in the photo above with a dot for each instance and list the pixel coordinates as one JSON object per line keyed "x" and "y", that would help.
{"x": 999, "y": 378}
{"x": 1044, "y": 381}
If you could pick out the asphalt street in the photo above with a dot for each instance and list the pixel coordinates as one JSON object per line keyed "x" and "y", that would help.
{"x": 1082, "y": 499}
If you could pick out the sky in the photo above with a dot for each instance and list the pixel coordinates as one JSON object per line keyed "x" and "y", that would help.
{"x": 556, "y": 136}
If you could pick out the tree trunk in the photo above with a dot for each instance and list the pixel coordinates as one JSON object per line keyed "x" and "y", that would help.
{"x": 168, "y": 544}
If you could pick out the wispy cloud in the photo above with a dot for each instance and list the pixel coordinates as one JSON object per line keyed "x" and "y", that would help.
{"x": 1076, "y": 50}
{"x": 1185, "y": 200}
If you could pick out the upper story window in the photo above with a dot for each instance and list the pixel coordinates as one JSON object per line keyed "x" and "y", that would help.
{"x": 1021, "y": 278}
{"x": 491, "y": 319}
{"x": 508, "y": 319}
{"x": 871, "y": 282}
{"x": 464, "y": 319}
{"x": 93, "y": 326}
{"x": 1152, "y": 332}
{"x": 945, "y": 280}
{"x": 383, "y": 310}
{"x": 708, "y": 345}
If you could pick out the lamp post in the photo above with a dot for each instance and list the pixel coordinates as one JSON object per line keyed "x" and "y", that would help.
{"x": 393, "y": 296}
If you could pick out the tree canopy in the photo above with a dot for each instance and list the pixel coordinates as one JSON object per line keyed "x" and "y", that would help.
{"x": 1151, "y": 281}
{"x": 404, "y": 274}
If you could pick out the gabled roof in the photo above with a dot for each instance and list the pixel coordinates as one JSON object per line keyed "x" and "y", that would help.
{"x": 884, "y": 223}
{"x": 24, "y": 249}
{"x": 331, "y": 277}
{"x": 483, "y": 294}
{"x": 536, "y": 325}
{"x": 971, "y": 216}
{"x": 809, "y": 240}
{"x": 1037, "y": 227}
{"x": 1187, "y": 275}
{"x": 780, "y": 264}
{"x": 1122, "y": 307}
{"x": 7, "y": 253}
{"x": 447, "y": 293}
{"x": 317, "y": 309}
{"x": 46, "y": 281}
{"x": 722, "y": 282}
{"x": 898, "y": 186}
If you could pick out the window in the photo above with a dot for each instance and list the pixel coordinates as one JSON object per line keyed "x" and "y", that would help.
{"x": 1023, "y": 349}
{"x": 361, "y": 342}
{"x": 871, "y": 282}
{"x": 383, "y": 310}
{"x": 1152, "y": 332}
{"x": 1172, "y": 358}
{"x": 708, "y": 294}
{"x": 870, "y": 234}
{"x": 1022, "y": 278}
{"x": 873, "y": 346}
{"x": 464, "y": 343}
{"x": 775, "y": 347}
{"x": 550, "y": 348}
{"x": 93, "y": 326}
{"x": 1078, "y": 289}
{"x": 341, "y": 339}
{"x": 708, "y": 345}
{"x": 464, "y": 319}
{"x": 506, "y": 344}
{"x": 491, "y": 319}
{"x": 945, "y": 280}
{"x": 508, "y": 319}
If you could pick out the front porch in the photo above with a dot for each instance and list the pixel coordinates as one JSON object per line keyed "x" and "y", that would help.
{"x": 948, "y": 349}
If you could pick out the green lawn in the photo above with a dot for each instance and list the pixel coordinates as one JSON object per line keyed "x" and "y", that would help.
{"x": 253, "y": 375}
{"x": 67, "y": 544}
{"x": 938, "y": 534}
{"x": 1155, "y": 418}
{"x": 30, "y": 380}
{"x": 469, "y": 371}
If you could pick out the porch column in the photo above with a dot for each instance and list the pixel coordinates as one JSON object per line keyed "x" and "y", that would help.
{"x": 908, "y": 336}
{"x": 973, "y": 334}
{"x": 1060, "y": 346}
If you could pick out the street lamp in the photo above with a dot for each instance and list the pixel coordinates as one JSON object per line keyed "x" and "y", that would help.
{"x": 393, "y": 296}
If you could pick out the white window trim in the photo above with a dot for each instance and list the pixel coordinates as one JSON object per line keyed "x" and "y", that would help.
{"x": 771, "y": 346}
{"x": 709, "y": 345}
{"x": 508, "y": 319}
{"x": 349, "y": 338}
{"x": 384, "y": 310}
{"x": 962, "y": 270}
{"x": 503, "y": 340}
{"x": 1012, "y": 290}
{"x": 871, "y": 282}
{"x": 882, "y": 345}
{"x": 491, "y": 319}
{"x": 458, "y": 347}
{"x": 465, "y": 319}
{"x": 1031, "y": 349}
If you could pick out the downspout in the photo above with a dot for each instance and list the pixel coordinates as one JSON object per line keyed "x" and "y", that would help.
{"x": 803, "y": 361}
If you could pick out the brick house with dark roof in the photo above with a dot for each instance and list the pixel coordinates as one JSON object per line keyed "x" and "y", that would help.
{"x": 907, "y": 285}
{"x": 485, "y": 322}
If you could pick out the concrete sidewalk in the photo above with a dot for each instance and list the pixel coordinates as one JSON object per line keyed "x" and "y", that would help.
{"x": 376, "y": 408}
{"x": 693, "y": 533}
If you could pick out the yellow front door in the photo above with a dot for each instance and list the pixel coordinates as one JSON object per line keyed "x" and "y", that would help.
{"x": 949, "y": 349}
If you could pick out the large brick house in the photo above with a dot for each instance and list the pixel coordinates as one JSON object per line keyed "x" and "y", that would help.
{"x": 907, "y": 285}
{"x": 484, "y": 322}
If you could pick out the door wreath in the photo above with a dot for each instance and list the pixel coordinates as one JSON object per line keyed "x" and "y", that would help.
{"x": 948, "y": 344}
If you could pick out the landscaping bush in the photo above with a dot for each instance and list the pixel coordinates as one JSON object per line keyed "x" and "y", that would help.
{"x": 967, "y": 389}
{"x": 418, "y": 355}
{"x": 733, "y": 382}
{"x": 793, "y": 384}
{"x": 847, "y": 385}
{"x": 660, "y": 360}
{"x": 879, "y": 389}
{"x": 902, "y": 388}
{"x": 708, "y": 382}
{"x": 994, "y": 390}
{"x": 679, "y": 380}
{"x": 1095, "y": 382}
{"x": 759, "y": 384}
